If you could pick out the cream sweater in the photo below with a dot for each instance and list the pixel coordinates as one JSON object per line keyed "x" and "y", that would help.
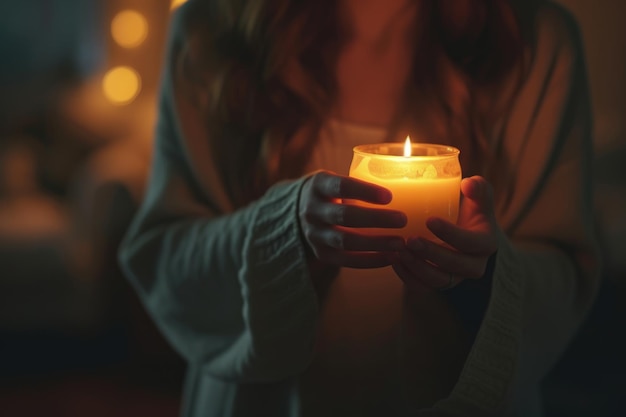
{"x": 231, "y": 289}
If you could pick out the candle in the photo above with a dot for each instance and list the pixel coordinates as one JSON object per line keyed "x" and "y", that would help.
{"x": 424, "y": 180}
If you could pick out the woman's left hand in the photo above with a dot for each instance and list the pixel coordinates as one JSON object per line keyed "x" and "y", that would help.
{"x": 466, "y": 246}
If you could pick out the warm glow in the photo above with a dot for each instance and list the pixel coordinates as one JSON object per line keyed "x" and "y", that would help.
{"x": 176, "y": 3}
{"x": 121, "y": 85}
{"x": 424, "y": 182}
{"x": 407, "y": 147}
{"x": 129, "y": 28}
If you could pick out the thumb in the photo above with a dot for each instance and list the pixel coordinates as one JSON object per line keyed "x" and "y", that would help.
{"x": 478, "y": 190}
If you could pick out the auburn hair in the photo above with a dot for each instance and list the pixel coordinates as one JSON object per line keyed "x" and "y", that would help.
{"x": 242, "y": 57}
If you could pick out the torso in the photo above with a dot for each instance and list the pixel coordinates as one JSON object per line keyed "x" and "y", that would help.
{"x": 373, "y": 68}
{"x": 379, "y": 351}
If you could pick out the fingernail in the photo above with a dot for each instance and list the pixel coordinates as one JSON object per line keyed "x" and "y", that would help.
{"x": 433, "y": 223}
{"x": 401, "y": 219}
{"x": 475, "y": 188}
{"x": 385, "y": 196}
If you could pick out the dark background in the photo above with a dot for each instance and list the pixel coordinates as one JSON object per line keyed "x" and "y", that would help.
{"x": 74, "y": 340}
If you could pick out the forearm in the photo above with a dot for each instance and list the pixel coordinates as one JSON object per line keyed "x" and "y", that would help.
{"x": 233, "y": 292}
{"x": 471, "y": 297}
{"x": 559, "y": 287}
{"x": 554, "y": 280}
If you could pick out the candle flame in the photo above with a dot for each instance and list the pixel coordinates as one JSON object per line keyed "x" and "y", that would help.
{"x": 407, "y": 147}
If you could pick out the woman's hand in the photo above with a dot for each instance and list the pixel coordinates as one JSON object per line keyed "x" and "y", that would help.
{"x": 466, "y": 246}
{"x": 328, "y": 225}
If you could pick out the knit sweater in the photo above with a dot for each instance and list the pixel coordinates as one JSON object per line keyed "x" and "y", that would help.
{"x": 231, "y": 289}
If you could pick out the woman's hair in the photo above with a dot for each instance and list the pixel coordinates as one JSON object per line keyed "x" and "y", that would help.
{"x": 266, "y": 69}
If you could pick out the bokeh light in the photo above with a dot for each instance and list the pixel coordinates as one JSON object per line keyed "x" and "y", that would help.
{"x": 176, "y": 3}
{"x": 129, "y": 28}
{"x": 121, "y": 85}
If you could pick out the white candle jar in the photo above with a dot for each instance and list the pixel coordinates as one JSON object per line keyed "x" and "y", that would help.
{"x": 424, "y": 184}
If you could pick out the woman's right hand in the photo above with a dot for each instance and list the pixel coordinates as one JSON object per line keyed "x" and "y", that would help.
{"x": 328, "y": 224}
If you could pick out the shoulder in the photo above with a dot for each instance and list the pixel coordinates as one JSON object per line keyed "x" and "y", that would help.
{"x": 188, "y": 23}
{"x": 191, "y": 17}
{"x": 556, "y": 34}
{"x": 178, "y": 26}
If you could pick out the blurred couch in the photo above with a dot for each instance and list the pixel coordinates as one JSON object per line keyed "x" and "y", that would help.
{"x": 72, "y": 172}
{"x": 43, "y": 46}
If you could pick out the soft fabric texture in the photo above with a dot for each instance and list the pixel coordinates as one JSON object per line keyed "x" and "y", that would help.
{"x": 232, "y": 290}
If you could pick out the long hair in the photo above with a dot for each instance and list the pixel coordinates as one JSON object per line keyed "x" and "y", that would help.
{"x": 266, "y": 71}
{"x": 471, "y": 47}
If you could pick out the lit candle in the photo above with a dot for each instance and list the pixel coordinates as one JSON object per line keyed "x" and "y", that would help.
{"x": 424, "y": 180}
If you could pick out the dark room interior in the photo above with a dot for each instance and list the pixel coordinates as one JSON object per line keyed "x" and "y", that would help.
{"x": 78, "y": 82}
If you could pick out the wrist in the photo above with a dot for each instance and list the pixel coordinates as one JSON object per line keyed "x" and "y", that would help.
{"x": 471, "y": 297}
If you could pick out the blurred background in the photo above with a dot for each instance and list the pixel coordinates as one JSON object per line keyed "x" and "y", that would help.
{"x": 78, "y": 80}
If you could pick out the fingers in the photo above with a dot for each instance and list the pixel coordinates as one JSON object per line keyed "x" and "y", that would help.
{"x": 454, "y": 262}
{"x": 467, "y": 245}
{"x": 474, "y": 232}
{"x": 480, "y": 192}
{"x": 347, "y": 241}
{"x": 354, "y": 259}
{"x": 470, "y": 241}
{"x": 355, "y": 216}
{"x": 407, "y": 276}
{"x": 327, "y": 225}
{"x": 332, "y": 186}
{"x": 339, "y": 247}
{"x": 415, "y": 272}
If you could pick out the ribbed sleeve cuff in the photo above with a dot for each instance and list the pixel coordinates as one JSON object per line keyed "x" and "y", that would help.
{"x": 280, "y": 305}
{"x": 485, "y": 384}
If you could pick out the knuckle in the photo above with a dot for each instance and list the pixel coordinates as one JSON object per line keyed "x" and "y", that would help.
{"x": 317, "y": 180}
{"x": 309, "y": 215}
{"x": 338, "y": 240}
{"x": 339, "y": 186}
{"x": 340, "y": 214}
{"x": 306, "y": 213}
{"x": 315, "y": 237}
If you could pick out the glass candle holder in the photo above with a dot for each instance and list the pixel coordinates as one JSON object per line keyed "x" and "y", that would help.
{"x": 424, "y": 184}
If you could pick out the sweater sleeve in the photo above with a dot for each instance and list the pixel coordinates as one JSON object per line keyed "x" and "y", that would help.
{"x": 546, "y": 271}
{"x": 229, "y": 288}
